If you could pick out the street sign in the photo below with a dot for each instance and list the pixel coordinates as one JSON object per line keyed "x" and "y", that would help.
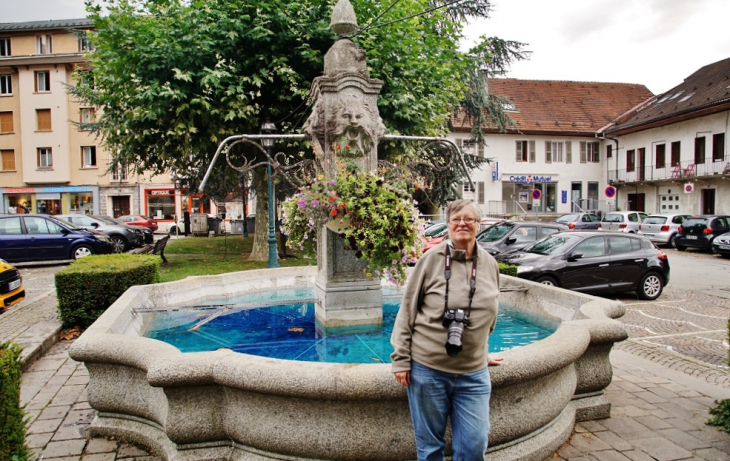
{"x": 536, "y": 194}
{"x": 689, "y": 188}
{"x": 610, "y": 192}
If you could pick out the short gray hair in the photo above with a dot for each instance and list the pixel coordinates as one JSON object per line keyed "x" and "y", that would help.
{"x": 458, "y": 205}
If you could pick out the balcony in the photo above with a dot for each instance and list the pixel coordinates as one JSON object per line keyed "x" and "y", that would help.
{"x": 683, "y": 171}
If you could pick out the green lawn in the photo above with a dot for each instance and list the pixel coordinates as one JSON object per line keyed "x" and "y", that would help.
{"x": 217, "y": 255}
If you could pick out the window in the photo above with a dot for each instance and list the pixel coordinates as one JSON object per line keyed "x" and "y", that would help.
{"x": 471, "y": 147}
{"x": 45, "y": 157}
{"x": 87, "y": 79}
{"x": 6, "y": 122}
{"x": 480, "y": 192}
{"x": 591, "y": 248}
{"x": 568, "y": 151}
{"x": 589, "y": 152}
{"x": 661, "y": 153}
{"x": 609, "y": 151}
{"x": 700, "y": 150}
{"x": 45, "y": 43}
{"x": 8, "y": 159}
{"x": 87, "y": 116}
{"x": 468, "y": 187}
{"x": 525, "y": 151}
{"x": 630, "y": 160}
{"x": 6, "y": 84}
{"x": 119, "y": 174}
{"x": 553, "y": 152}
{"x": 88, "y": 156}
{"x": 718, "y": 147}
{"x": 5, "y": 46}
{"x": 620, "y": 245}
{"x": 42, "y": 81}
{"x": 675, "y": 153}
{"x": 85, "y": 44}
{"x": 11, "y": 226}
{"x": 44, "y": 119}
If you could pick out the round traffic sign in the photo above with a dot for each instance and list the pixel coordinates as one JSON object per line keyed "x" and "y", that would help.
{"x": 610, "y": 191}
{"x": 536, "y": 194}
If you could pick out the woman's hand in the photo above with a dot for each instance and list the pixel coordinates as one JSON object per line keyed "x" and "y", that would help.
{"x": 403, "y": 377}
{"x": 495, "y": 360}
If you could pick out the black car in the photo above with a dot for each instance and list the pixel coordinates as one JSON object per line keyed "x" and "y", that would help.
{"x": 513, "y": 235}
{"x": 700, "y": 231}
{"x": 594, "y": 262}
{"x": 38, "y": 237}
{"x": 123, "y": 237}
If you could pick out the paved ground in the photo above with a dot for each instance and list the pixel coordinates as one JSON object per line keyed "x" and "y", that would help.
{"x": 666, "y": 377}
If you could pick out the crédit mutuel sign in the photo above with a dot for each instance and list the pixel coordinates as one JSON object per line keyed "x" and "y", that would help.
{"x": 529, "y": 179}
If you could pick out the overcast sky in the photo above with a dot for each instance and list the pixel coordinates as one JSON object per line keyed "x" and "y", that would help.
{"x": 657, "y": 43}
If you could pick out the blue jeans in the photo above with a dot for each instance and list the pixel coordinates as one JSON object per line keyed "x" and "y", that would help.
{"x": 434, "y": 396}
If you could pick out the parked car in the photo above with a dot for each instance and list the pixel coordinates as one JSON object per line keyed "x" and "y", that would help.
{"x": 721, "y": 245}
{"x": 486, "y": 223}
{"x": 123, "y": 237}
{"x": 622, "y": 221}
{"x": 594, "y": 262}
{"x": 11, "y": 286}
{"x": 38, "y": 237}
{"x": 662, "y": 228}
{"x": 139, "y": 220}
{"x": 580, "y": 221}
{"x": 435, "y": 235}
{"x": 700, "y": 231}
{"x": 513, "y": 235}
{"x": 148, "y": 235}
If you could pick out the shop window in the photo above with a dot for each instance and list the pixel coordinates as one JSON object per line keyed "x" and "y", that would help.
{"x": 161, "y": 203}
{"x": 6, "y": 122}
{"x": 44, "y": 119}
{"x": 88, "y": 156}
{"x": 5, "y": 46}
{"x": 6, "y": 84}
{"x": 8, "y": 159}
{"x": 42, "y": 81}
{"x": 45, "y": 157}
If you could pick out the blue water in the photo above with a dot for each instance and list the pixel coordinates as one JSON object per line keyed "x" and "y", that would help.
{"x": 288, "y": 329}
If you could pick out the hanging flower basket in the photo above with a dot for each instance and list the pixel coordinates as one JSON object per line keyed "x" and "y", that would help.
{"x": 375, "y": 217}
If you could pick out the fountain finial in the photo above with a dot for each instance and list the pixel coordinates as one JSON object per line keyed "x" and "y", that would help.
{"x": 344, "y": 21}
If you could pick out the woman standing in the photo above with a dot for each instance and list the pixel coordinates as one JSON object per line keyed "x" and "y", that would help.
{"x": 440, "y": 336}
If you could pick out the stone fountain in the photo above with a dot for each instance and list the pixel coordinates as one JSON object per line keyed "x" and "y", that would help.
{"x": 224, "y": 405}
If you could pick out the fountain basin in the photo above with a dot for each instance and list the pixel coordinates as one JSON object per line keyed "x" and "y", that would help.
{"x": 227, "y": 405}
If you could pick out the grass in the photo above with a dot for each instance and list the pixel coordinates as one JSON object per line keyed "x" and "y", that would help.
{"x": 219, "y": 255}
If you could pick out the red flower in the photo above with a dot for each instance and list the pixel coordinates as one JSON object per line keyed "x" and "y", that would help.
{"x": 332, "y": 199}
{"x": 333, "y": 212}
{"x": 347, "y": 147}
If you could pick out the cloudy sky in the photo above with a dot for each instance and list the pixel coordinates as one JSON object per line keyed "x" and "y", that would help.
{"x": 654, "y": 42}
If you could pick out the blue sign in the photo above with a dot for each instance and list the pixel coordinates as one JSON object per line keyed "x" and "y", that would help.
{"x": 530, "y": 179}
{"x": 564, "y": 196}
{"x": 66, "y": 189}
{"x": 610, "y": 191}
{"x": 536, "y": 193}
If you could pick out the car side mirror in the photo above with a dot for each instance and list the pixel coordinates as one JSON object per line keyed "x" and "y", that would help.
{"x": 65, "y": 231}
{"x": 95, "y": 225}
{"x": 575, "y": 256}
{"x": 510, "y": 240}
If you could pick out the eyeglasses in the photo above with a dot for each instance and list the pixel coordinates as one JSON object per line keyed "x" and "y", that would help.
{"x": 458, "y": 220}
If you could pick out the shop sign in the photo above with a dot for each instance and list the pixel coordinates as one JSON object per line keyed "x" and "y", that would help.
{"x": 19, "y": 190}
{"x": 66, "y": 189}
{"x": 50, "y": 190}
{"x": 529, "y": 179}
{"x": 162, "y": 192}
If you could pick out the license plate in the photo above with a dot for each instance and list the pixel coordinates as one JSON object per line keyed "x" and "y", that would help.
{"x": 649, "y": 235}
{"x": 14, "y": 284}
{"x": 691, "y": 237}
{"x": 724, "y": 247}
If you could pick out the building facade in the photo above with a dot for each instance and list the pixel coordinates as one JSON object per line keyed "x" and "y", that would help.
{"x": 671, "y": 152}
{"x": 552, "y": 147}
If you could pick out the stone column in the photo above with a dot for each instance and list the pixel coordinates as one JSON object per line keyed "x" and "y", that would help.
{"x": 345, "y": 113}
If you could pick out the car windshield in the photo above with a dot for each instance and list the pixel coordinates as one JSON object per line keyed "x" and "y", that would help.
{"x": 567, "y": 218}
{"x": 553, "y": 244}
{"x": 613, "y": 218}
{"x": 694, "y": 222}
{"x": 655, "y": 220}
{"x": 495, "y": 232}
{"x": 106, "y": 219}
{"x": 435, "y": 229}
{"x": 67, "y": 224}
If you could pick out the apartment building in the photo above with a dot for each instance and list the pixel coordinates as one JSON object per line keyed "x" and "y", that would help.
{"x": 672, "y": 151}
{"x": 552, "y": 148}
{"x": 51, "y": 162}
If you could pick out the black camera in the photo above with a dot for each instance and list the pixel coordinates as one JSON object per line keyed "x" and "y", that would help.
{"x": 455, "y": 320}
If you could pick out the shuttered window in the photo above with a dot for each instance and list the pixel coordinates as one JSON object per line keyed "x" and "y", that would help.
{"x": 548, "y": 152}
{"x": 568, "y": 151}
{"x": 8, "y": 159}
{"x": 532, "y": 151}
{"x": 480, "y": 192}
{"x": 520, "y": 151}
{"x": 44, "y": 119}
{"x": 589, "y": 152}
{"x": 6, "y": 122}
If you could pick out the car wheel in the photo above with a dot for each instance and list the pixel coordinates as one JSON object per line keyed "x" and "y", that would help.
{"x": 173, "y": 230}
{"x": 547, "y": 280}
{"x": 651, "y": 286}
{"x": 82, "y": 251}
{"x": 672, "y": 241}
{"x": 681, "y": 248}
{"x": 119, "y": 244}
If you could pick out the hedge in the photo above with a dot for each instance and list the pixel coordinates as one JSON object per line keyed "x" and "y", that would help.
{"x": 12, "y": 416}
{"x": 90, "y": 285}
{"x": 508, "y": 269}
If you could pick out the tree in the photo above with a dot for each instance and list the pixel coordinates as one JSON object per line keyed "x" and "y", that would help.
{"x": 176, "y": 77}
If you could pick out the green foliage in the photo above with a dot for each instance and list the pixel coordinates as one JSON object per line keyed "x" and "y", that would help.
{"x": 12, "y": 416}
{"x": 720, "y": 415}
{"x": 508, "y": 269}
{"x": 90, "y": 285}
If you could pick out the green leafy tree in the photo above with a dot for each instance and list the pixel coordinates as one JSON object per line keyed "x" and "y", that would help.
{"x": 176, "y": 77}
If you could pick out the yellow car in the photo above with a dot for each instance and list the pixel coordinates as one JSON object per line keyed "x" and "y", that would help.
{"x": 11, "y": 286}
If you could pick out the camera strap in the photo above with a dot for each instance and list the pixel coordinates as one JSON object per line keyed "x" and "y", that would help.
{"x": 472, "y": 279}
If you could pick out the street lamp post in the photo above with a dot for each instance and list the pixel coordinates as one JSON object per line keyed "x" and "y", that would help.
{"x": 268, "y": 127}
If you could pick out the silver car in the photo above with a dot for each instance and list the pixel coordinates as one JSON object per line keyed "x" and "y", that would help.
{"x": 123, "y": 237}
{"x": 622, "y": 221}
{"x": 662, "y": 228}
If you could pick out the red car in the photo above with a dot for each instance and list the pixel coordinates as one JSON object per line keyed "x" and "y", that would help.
{"x": 139, "y": 220}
